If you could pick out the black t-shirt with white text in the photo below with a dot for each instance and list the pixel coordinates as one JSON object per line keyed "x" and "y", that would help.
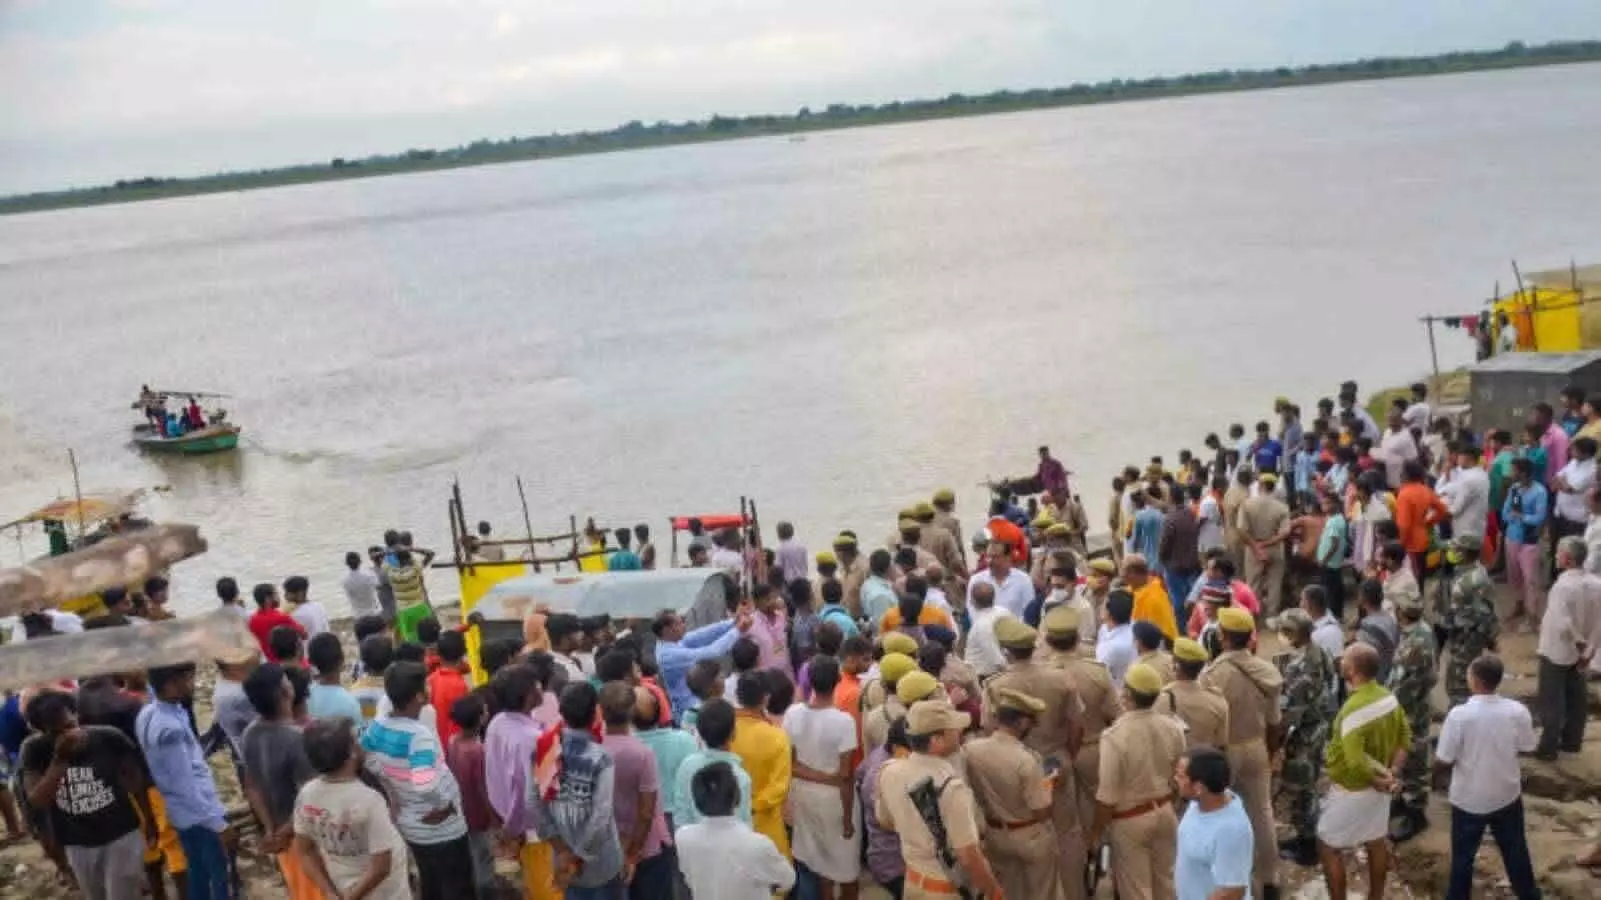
{"x": 91, "y": 808}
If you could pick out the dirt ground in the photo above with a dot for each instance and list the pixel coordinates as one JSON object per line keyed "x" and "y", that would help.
{"x": 1562, "y": 800}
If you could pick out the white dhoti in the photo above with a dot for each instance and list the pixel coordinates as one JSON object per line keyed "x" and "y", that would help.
{"x": 1351, "y": 819}
{"x": 818, "y": 836}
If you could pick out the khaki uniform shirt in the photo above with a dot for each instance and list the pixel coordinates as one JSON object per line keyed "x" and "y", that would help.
{"x": 896, "y": 812}
{"x": 1162, "y": 662}
{"x": 851, "y": 578}
{"x": 952, "y": 527}
{"x": 1204, "y": 712}
{"x": 875, "y": 724}
{"x": 1250, "y": 686}
{"x": 1138, "y": 756}
{"x": 1008, "y": 780}
{"x": 1262, "y": 518}
{"x": 1233, "y": 498}
{"x": 1093, "y": 683}
{"x": 1051, "y": 686}
{"x": 939, "y": 542}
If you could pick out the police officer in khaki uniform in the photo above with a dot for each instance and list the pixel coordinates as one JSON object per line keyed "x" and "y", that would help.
{"x": 852, "y": 571}
{"x": 1056, "y": 735}
{"x": 1148, "y": 641}
{"x": 1015, "y": 793}
{"x": 1134, "y": 803}
{"x": 945, "y": 545}
{"x": 1264, "y": 527}
{"x": 1055, "y": 555}
{"x": 911, "y": 535}
{"x": 945, "y": 517}
{"x": 1203, "y": 711}
{"x": 1251, "y": 688}
{"x": 878, "y": 717}
{"x": 1093, "y": 684}
{"x": 873, "y": 690}
{"x": 934, "y": 731}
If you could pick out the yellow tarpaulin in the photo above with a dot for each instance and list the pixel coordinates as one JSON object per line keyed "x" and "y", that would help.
{"x": 475, "y": 583}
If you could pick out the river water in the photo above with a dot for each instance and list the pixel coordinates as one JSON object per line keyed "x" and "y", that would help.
{"x": 836, "y": 325}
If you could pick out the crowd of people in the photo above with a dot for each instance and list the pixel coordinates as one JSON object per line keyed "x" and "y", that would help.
{"x": 1010, "y": 716}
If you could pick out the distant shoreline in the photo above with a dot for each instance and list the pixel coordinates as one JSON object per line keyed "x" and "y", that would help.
{"x": 637, "y": 136}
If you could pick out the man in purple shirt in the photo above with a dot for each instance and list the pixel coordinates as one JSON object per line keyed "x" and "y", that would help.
{"x": 1052, "y": 474}
{"x": 768, "y": 629}
{"x": 508, "y": 749}
{"x": 638, "y": 799}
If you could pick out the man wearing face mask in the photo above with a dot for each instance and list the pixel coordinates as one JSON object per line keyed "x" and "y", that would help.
{"x": 1061, "y": 591}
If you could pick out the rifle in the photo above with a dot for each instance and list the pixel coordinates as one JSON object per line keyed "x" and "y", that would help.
{"x": 925, "y": 797}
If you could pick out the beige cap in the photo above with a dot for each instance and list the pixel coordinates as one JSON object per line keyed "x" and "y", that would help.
{"x": 1013, "y": 633}
{"x": 915, "y": 686}
{"x": 1062, "y": 620}
{"x": 1007, "y": 698}
{"x": 931, "y": 716}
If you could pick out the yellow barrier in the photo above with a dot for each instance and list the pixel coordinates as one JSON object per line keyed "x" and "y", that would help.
{"x": 475, "y": 583}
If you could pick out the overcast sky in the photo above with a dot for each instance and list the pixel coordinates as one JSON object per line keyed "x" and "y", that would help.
{"x": 93, "y": 90}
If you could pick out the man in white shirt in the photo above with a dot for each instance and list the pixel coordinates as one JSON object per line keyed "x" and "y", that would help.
{"x": 1479, "y": 744}
{"x": 728, "y": 555}
{"x": 308, "y": 612}
{"x": 1469, "y": 495}
{"x": 791, "y": 555}
{"x": 361, "y": 588}
{"x": 721, "y": 857}
{"x": 1570, "y": 508}
{"x": 1014, "y": 590}
{"x": 1397, "y": 448}
{"x": 1565, "y": 647}
{"x": 1326, "y": 630}
{"x": 1114, "y": 645}
{"x": 61, "y": 622}
{"x": 1418, "y": 415}
{"x": 983, "y": 648}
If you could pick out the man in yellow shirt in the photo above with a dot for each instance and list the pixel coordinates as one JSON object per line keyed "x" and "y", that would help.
{"x": 763, "y": 749}
{"x": 1151, "y": 603}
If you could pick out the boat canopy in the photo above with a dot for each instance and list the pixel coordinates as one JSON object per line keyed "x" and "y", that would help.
{"x": 90, "y": 509}
{"x": 712, "y": 521}
{"x": 699, "y": 595}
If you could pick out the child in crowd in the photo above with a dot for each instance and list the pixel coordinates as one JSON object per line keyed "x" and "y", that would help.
{"x": 329, "y": 697}
{"x": 343, "y": 832}
{"x": 705, "y": 682}
{"x": 428, "y": 632}
{"x": 366, "y": 627}
{"x": 283, "y": 646}
{"x": 404, "y": 753}
{"x": 377, "y": 653}
{"x": 447, "y": 682}
{"x": 745, "y": 656}
{"x": 465, "y": 757}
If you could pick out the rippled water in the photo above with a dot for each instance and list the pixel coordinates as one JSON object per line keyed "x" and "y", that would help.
{"x": 836, "y": 326}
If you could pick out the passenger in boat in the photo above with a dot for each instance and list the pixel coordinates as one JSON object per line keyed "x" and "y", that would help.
{"x": 197, "y": 418}
{"x": 171, "y": 428}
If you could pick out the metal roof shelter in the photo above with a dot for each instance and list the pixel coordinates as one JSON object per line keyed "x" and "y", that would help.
{"x": 1504, "y": 388}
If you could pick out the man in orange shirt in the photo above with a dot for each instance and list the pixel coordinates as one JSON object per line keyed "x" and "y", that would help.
{"x": 855, "y": 657}
{"x": 913, "y": 609}
{"x": 1417, "y": 510}
{"x": 1151, "y": 603}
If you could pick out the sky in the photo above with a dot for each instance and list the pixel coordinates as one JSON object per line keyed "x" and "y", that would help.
{"x": 95, "y": 90}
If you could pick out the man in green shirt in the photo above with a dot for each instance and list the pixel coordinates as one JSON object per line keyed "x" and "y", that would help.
{"x": 1367, "y": 747}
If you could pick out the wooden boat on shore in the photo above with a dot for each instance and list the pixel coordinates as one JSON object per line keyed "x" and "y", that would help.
{"x": 211, "y": 439}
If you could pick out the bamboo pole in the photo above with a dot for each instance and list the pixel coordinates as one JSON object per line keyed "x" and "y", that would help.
{"x": 77, "y": 491}
{"x": 528, "y": 523}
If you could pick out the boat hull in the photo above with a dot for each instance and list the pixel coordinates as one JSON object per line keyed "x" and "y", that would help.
{"x": 210, "y": 440}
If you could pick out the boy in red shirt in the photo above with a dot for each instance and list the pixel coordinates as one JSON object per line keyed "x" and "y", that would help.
{"x": 448, "y": 683}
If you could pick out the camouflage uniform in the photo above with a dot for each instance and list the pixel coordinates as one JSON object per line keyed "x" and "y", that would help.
{"x": 1309, "y": 705}
{"x": 1474, "y": 627}
{"x": 1412, "y": 680}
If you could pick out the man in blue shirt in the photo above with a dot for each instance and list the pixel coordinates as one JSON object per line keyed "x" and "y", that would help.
{"x": 1523, "y": 514}
{"x": 1265, "y": 451}
{"x": 178, "y": 767}
{"x": 1214, "y": 841}
{"x": 678, "y": 648}
{"x": 624, "y": 559}
{"x": 1146, "y": 535}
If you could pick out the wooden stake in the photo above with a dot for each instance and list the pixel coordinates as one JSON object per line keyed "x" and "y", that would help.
{"x": 528, "y": 524}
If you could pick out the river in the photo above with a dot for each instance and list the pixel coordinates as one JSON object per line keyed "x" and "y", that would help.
{"x": 836, "y": 325}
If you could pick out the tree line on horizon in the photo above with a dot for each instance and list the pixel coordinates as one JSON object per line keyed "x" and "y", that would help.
{"x": 637, "y": 134}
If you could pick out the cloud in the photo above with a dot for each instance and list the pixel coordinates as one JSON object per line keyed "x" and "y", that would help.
{"x": 197, "y": 75}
